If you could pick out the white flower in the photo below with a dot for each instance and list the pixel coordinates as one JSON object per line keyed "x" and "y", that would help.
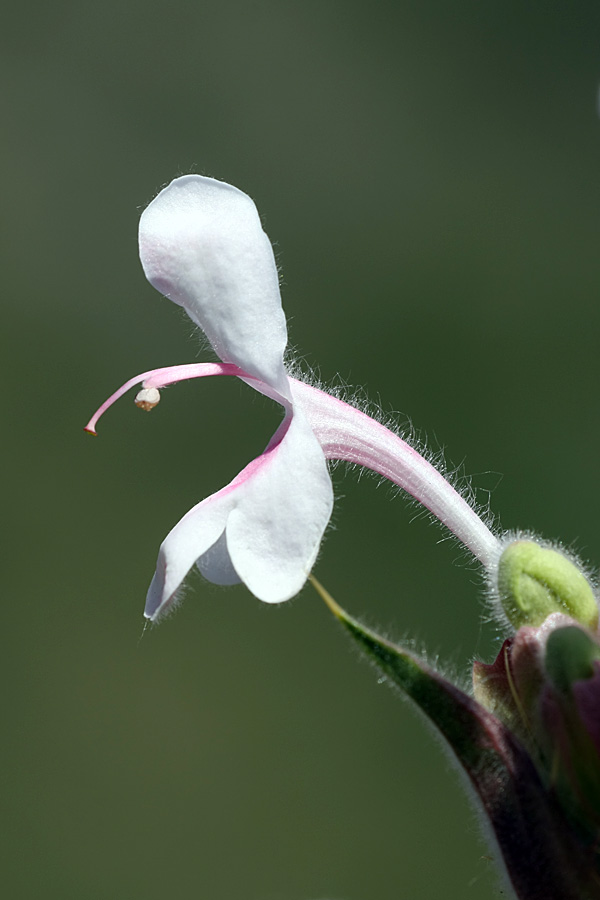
{"x": 203, "y": 247}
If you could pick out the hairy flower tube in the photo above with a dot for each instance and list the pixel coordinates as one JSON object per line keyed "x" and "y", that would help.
{"x": 202, "y": 246}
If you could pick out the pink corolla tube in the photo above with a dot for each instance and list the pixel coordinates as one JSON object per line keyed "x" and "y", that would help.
{"x": 203, "y": 247}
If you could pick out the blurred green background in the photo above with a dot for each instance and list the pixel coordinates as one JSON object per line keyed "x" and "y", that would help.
{"x": 430, "y": 175}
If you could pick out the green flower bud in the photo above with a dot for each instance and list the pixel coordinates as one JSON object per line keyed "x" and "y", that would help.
{"x": 535, "y": 581}
{"x": 568, "y": 723}
{"x": 570, "y": 656}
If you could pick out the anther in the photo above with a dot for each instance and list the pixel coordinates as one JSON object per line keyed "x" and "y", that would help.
{"x": 147, "y": 398}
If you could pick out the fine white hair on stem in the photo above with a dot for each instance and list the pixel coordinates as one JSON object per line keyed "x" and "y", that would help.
{"x": 357, "y": 398}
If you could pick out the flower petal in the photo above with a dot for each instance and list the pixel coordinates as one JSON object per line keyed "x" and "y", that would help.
{"x": 193, "y": 535}
{"x": 216, "y": 566}
{"x": 274, "y": 535}
{"x": 202, "y": 246}
{"x": 264, "y": 528}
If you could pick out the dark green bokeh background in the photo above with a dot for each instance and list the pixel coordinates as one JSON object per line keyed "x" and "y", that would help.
{"x": 430, "y": 175}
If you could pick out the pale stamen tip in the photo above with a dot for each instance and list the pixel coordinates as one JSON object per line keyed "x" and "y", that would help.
{"x": 91, "y": 431}
{"x": 147, "y": 398}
